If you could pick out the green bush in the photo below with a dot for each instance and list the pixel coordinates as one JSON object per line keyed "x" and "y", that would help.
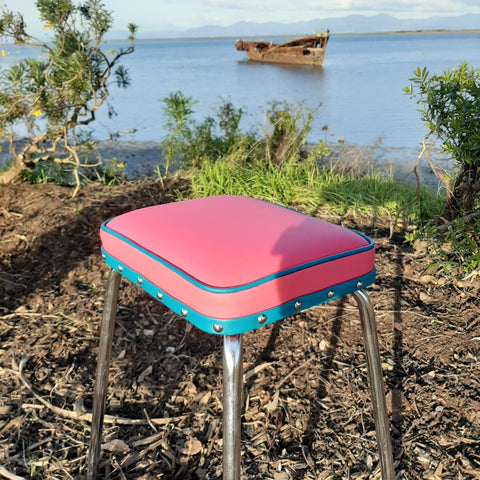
{"x": 188, "y": 143}
{"x": 451, "y": 111}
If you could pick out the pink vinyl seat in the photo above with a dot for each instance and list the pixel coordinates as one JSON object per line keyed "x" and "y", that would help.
{"x": 223, "y": 262}
{"x": 230, "y": 264}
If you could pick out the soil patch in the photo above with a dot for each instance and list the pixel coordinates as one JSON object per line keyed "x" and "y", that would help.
{"x": 307, "y": 406}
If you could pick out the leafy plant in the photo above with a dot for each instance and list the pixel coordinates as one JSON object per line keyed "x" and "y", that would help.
{"x": 457, "y": 251}
{"x": 273, "y": 166}
{"x": 57, "y": 95}
{"x": 188, "y": 142}
{"x": 177, "y": 110}
{"x": 109, "y": 173}
{"x": 229, "y": 118}
{"x": 451, "y": 111}
{"x": 287, "y": 129}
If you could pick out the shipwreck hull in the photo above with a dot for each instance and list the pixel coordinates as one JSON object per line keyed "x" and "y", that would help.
{"x": 277, "y": 57}
{"x": 308, "y": 50}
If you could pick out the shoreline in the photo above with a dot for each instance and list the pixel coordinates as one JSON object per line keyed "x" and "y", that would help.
{"x": 141, "y": 159}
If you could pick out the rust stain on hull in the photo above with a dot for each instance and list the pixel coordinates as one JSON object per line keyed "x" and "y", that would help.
{"x": 309, "y": 50}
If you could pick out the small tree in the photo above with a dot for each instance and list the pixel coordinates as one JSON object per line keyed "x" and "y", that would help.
{"x": 451, "y": 111}
{"x": 53, "y": 97}
{"x": 188, "y": 142}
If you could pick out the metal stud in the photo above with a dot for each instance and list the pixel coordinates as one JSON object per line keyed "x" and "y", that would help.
{"x": 120, "y": 268}
{"x": 330, "y": 294}
{"x": 183, "y": 312}
{"x": 139, "y": 280}
{"x": 217, "y": 328}
{"x": 262, "y": 318}
{"x": 298, "y": 305}
{"x": 159, "y": 296}
{"x": 359, "y": 285}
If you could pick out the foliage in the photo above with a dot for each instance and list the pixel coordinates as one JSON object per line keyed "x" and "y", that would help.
{"x": 188, "y": 142}
{"x": 58, "y": 94}
{"x": 273, "y": 167}
{"x": 457, "y": 251}
{"x": 451, "y": 111}
{"x": 177, "y": 110}
{"x": 310, "y": 187}
{"x": 460, "y": 250}
{"x": 287, "y": 129}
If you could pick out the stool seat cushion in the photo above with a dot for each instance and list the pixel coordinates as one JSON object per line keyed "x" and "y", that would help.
{"x": 230, "y": 263}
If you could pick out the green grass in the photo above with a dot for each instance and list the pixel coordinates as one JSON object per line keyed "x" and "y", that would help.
{"x": 220, "y": 160}
{"x": 314, "y": 190}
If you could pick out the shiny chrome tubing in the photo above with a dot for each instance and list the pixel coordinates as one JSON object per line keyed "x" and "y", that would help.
{"x": 101, "y": 379}
{"x": 377, "y": 386}
{"x": 232, "y": 405}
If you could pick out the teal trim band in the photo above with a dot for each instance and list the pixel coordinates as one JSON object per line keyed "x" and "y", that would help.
{"x": 238, "y": 325}
{"x": 246, "y": 286}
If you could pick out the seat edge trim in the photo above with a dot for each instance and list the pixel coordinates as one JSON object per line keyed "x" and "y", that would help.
{"x": 234, "y": 326}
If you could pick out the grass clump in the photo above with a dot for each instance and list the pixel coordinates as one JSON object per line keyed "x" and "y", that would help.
{"x": 314, "y": 189}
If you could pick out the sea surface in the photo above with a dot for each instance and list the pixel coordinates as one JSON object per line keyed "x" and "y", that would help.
{"x": 357, "y": 93}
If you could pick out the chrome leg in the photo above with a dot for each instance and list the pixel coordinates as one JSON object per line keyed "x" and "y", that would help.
{"x": 232, "y": 405}
{"x": 377, "y": 386}
{"x": 103, "y": 365}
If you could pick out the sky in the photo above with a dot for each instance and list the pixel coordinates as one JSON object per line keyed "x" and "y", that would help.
{"x": 167, "y": 15}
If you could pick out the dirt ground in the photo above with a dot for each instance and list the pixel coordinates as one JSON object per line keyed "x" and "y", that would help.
{"x": 308, "y": 412}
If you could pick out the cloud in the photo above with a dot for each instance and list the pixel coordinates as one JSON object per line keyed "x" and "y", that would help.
{"x": 228, "y": 12}
{"x": 158, "y": 15}
{"x": 399, "y": 8}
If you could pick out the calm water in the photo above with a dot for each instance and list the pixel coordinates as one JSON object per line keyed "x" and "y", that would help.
{"x": 358, "y": 90}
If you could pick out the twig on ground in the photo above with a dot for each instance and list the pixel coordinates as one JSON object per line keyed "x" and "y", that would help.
{"x": 7, "y": 474}
{"x": 295, "y": 370}
{"x": 444, "y": 227}
{"x": 87, "y": 417}
{"x": 256, "y": 370}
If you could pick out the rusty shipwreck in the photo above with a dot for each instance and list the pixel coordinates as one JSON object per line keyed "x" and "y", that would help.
{"x": 308, "y": 50}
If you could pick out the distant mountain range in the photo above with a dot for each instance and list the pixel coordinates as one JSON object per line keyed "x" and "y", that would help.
{"x": 341, "y": 25}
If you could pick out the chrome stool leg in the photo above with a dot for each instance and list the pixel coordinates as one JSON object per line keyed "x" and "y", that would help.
{"x": 103, "y": 365}
{"x": 377, "y": 387}
{"x": 232, "y": 405}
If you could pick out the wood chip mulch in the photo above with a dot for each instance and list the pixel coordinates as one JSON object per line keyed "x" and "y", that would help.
{"x": 307, "y": 405}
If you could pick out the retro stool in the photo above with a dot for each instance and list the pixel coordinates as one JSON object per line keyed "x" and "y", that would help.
{"x": 229, "y": 265}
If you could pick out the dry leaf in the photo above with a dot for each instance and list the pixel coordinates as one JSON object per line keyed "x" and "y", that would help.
{"x": 273, "y": 404}
{"x": 424, "y": 296}
{"x": 116, "y": 446}
{"x": 14, "y": 423}
{"x": 205, "y": 398}
{"x": 148, "y": 371}
{"x": 191, "y": 447}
